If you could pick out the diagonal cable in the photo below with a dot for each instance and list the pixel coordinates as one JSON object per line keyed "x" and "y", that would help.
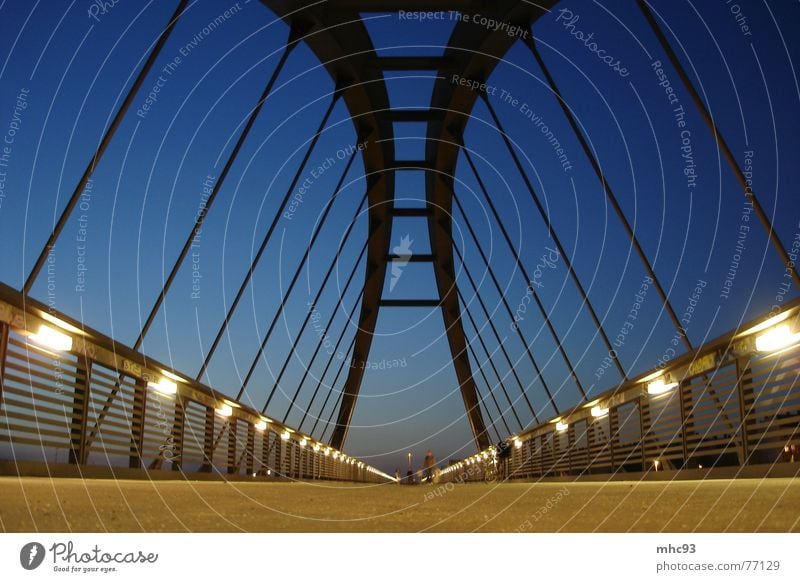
{"x": 267, "y": 236}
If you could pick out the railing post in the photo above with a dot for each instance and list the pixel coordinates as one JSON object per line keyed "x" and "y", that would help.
{"x": 266, "y": 449}
{"x": 741, "y": 393}
{"x": 556, "y": 442}
{"x": 613, "y": 435}
{"x": 685, "y": 403}
{"x": 250, "y": 454}
{"x": 279, "y": 456}
{"x": 3, "y": 353}
{"x": 208, "y": 441}
{"x": 642, "y": 403}
{"x": 80, "y": 412}
{"x": 542, "y": 439}
{"x": 571, "y": 440}
{"x": 591, "y": 428}
{"x": 138, "y": 423}
{"x": 178, "y": 433}
{"x": 232, "y": 434}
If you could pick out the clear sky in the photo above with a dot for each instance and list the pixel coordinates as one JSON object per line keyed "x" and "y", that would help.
{"x": 66, "y": 66}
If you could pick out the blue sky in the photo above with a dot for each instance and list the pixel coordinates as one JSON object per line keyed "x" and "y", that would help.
{"x": 146, "y": 192}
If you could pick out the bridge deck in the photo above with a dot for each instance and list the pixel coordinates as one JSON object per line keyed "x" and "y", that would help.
{"x": 744, "y": 505}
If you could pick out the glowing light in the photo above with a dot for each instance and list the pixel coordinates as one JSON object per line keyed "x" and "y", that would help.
{"x": 172, "y": 376}
{"x": 660, "y": 387}
{"x": 777, "y": 338}
{"x": 285, "y": 435}
{"x": 303, "y": 442}
{"x": 164, "y": 386}
{"x": 561, "y": 426}
{"x": 52, "y": 339}
{"x": 225, "y": 410}
{"x": 518, "y": 443}
{"x": 261, "y": 425}
{"x": 327, "y": 452}
{"x": 598, "y": 411}
{"x": 316, "y": 447}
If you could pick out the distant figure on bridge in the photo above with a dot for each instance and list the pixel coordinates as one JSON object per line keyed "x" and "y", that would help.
{"x": 430, "y": 465}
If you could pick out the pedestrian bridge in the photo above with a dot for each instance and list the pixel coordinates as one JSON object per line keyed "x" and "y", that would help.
{"x": 353, "y": 229}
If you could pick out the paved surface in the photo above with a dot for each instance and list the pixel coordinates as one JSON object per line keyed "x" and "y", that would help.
{"x": 745, "y": 505}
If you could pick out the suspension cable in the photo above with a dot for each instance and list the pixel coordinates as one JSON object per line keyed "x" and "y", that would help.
{"x": 523, "y": 271}
{"x": 610, "y": 194}
{"x": 504, "y": 301}
{"x": 492, "y": 365}
{"x": 251, "y": 270}
{"x": 307, "y": 319}
{"x": 198, "y": 223}
{"x": 499, "y": 340}
{"x": 721, "y": 143}
{"x": 333, "y": 354}
{"x": 299, "y": 270}
{"x": 552, "y": 233}
{"x": 104, "y": 142}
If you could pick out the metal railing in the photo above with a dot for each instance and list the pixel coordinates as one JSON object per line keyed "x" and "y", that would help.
{"x": 72, "y": 396}
{"x": 734, "y": 402}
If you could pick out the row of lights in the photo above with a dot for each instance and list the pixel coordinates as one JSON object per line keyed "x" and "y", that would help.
{"x": 777, "y": 336}
{"x": 58, "y": 341}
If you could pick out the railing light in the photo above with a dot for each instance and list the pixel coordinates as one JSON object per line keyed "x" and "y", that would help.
{"x": 173, "y": 377}
{"x": 660, "y": 387}
{"x": 518, "y": 443}
{"x": 52, "y": 339}
{"x": 261, "y": 425}
{"x": 561, "y": 426}
{"x": 303, "y": 442}
{"x": 598, "y": 411}
{"x": 225, "y": 410}
{"x": 777, "y": 338}
{"x": 327, "y": 452}
{"x": 316, "y": 447}
{"x": 164, "y": 386}
{"x": 285, "y": 435}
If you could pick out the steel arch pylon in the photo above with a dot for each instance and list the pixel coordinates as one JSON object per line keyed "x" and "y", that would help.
{"x": 338, "y": 37}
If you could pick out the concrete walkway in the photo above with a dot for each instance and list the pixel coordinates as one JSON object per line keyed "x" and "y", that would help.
{"x": 745, "y": 505}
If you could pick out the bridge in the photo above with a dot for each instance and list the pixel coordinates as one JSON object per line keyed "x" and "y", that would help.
{"x": 349, "y": 232}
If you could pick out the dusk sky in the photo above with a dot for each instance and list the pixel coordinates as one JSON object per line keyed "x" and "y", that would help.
{"x": 69, "y": 66}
